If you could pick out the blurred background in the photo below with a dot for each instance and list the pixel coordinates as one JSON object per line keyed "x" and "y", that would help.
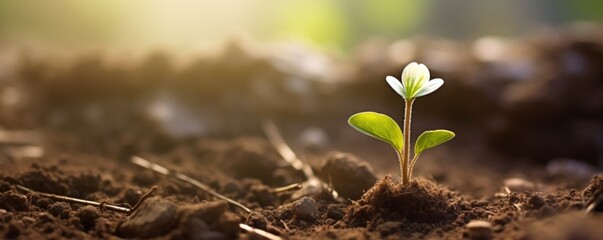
{"x": 334, "y": 25}
{"x": 524, "y": 79}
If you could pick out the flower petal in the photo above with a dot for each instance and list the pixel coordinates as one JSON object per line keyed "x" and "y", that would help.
{"x": 409, "y": 74}
{"x": 422, "y": 75}
{"x": 430, "y": 87}
{"x": 396, "y": 85}
{"x": 417, "y": 82}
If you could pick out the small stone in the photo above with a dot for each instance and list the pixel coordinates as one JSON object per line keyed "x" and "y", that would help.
{"x": 536, "y": 202}
{"x": 88, "y": 216}
{"x": 349, "y": 175}
{"x": 131, "y": 196}
{"x": 60, "y": 209}
{"x": 306, "y": 208}
{"x": 479, "y": 230}
{"x": 154, "y": 218}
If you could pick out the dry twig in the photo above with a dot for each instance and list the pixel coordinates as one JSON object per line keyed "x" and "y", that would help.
{"x": 259, "y": 232}
{"x": 285, "y": 225}
{"x": 295, "y": 186}
{"x": 163, "y": 170}
{"x": 505, "y": 194}
{"x": 142, "y": 198}
{"x": 287, "y": 153}
{"x": 102, "y": 206}
{"x": 277, "y": 141}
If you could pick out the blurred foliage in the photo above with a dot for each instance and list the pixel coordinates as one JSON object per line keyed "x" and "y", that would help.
{"x": 342, "y": 24}
{"x": 336, "y": 24}
{"x": 319, "y": 21}
{"x": 586, "y": 9}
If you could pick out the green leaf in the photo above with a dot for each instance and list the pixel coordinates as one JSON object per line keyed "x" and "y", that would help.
{"x": 432, "y": 138}
{"x": 379, "y": 126}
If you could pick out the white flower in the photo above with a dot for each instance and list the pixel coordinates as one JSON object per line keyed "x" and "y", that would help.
{"x": 415, "y": 82}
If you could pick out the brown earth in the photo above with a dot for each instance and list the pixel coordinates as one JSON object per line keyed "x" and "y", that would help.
{"x": 526, "y": 159}
{"x": 422, "y": 209}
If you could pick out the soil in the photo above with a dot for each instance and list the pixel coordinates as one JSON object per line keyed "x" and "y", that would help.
{"x": 422, "y": 209}
{"x": 526, "y": 164}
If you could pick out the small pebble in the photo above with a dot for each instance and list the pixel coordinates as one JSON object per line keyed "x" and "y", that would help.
{"x": 479, "y": 230}
{"x": 306, "y": 208}
{"x": 60, "y": 209}
{"x": 536, "y": 202}
{"x": 88, "y": 216}
{"x": 349, "y": 175}
{"x": 154, "y": 218}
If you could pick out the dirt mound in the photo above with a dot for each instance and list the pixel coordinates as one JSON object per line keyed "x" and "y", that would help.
{"x": 420, "y": 201}
{"x": 52, "y": 179}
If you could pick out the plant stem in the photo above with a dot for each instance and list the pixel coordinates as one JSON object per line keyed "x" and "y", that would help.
{"x": 401, "y": 161}
{"x": 406, "y": 133}
{"x": 412, "y": 165}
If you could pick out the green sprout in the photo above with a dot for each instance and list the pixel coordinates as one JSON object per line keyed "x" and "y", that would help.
{"x": 415, "y": 83}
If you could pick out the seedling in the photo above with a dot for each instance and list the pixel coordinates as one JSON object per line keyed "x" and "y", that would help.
{"x": 414, "y": 83}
